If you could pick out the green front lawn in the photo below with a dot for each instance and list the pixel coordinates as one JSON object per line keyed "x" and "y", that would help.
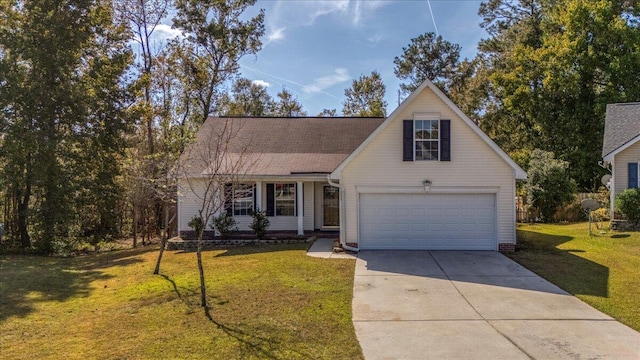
{"x": 601, "y": 270}
{"x": 266, "y": 302}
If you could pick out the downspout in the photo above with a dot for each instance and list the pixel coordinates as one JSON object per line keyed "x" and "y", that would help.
{"x": 343, "y": 228}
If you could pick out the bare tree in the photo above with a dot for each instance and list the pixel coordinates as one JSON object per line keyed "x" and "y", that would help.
{"x": 148, "y": 154}
{"x": 165, "y": 189}
{"x": 175, "y": 132}
{"x": 220, "y": 156}
{"x": 138, "y": 193}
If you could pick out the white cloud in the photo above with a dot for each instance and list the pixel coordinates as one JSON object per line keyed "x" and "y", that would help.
{"x": 356, "y": 13}
{"x": 340, "y": 75}
{"x": 375, "y": 4}
{"x": 354, "y": 10}
{"x": 363, "y": 8}
{"x": 294, "y": 14}
{"x": 261, "y": 83}
{"x": 275, "y": 35}
{"x": 321, "y": 8}
{"x": 165, "y": 32}
{"x": 375, "y": 39}
{"x": 289, "y": 81}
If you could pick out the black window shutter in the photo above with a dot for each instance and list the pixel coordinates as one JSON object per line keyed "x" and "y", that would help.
{"x": 633, "y": 175}
{"x": 228, "y": 199}
{"x": 255, "y": 198}
{"x": 407, "y": 140}
{"x": 271, "y": 199}
{"x": 445, "y": 140}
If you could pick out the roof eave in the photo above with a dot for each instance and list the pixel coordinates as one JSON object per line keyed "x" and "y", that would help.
{"x": 609, "y": 157}
{"x": 257, "y": 177}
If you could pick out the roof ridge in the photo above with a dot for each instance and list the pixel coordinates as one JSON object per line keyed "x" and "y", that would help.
{"x": 626, "y": 103}
{"x": 296, "y": 117}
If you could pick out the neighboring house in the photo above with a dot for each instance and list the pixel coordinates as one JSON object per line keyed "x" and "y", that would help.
{"x": 621, "y": 147}
{"x": 425, "y": 177}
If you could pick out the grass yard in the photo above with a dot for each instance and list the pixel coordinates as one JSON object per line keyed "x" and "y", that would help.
{"x": 270, "y": 302}
{"x": 602, "y": 270}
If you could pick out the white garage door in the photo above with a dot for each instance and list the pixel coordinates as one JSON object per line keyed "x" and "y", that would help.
{"x": 428, "y": 221}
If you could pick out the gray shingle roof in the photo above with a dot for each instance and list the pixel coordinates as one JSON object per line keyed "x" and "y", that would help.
{"x": 622, "y": 124}
{"x": 279, "y": 146}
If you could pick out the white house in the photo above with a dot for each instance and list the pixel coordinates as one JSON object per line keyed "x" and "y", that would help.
{"x": 621, "y": 147}
{"x": 425, "y": 177}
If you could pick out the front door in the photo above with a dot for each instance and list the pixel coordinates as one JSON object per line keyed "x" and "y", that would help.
{"x": 331, "y": 206}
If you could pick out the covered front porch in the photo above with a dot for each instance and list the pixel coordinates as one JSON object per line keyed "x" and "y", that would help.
{"x": 293, "y": 204}
{"x": 302, "y": 205}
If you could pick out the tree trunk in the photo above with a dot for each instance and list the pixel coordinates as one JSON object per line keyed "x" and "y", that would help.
{"x": 163, "y": 241}
{"x": 149, "y": 122}
{"x": 144, "y": 225}
{"x": 134, "y": 225}
{"x": 203, "y": 290}
{"x": 23, "y": 213}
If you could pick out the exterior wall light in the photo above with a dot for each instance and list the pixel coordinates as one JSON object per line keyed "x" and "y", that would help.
{"x": 427, "y": 185}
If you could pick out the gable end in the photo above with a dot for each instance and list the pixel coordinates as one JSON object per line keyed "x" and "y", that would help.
{"x": 518, "y": 171}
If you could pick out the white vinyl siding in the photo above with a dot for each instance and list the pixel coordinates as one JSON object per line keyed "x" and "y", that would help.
{"x": 620, "y": 180}
{"x": 189, "y": 203}
{"x": 473, "y": 164}
{"x": 622, "y": 159}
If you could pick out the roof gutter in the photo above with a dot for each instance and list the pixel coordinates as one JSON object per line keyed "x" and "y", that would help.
{"x": 343, "y": 241}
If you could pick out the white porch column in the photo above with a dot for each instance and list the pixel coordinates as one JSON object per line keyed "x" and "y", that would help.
{"x": 299, "y": 192}
{"x": 259, "y": 196}
{"x": 312, "y": 205}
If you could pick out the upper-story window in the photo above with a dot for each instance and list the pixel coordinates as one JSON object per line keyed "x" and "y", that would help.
{"x": 426, "y": 139}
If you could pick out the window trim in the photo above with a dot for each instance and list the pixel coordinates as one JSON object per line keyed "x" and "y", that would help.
{"x": 425, "y": 140}
{"x": 295, "y": 198}
{"x": 252, "y": 188}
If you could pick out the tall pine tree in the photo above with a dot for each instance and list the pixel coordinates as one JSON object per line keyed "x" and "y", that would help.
{"x": 66, "y": 63}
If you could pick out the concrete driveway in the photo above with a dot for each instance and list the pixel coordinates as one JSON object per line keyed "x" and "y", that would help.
{"x": 475, "y": 305}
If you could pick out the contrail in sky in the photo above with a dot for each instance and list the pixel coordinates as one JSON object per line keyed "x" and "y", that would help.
{"x": 287, "y": 80}
{"x": 432, "y": 18}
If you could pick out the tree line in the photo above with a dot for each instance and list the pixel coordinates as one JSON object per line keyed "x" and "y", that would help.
{"x": 91, "y": 126}
{"x": 542, "y": 78}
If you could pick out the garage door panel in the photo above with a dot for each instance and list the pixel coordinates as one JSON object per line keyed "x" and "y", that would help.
{"x": 428, "y": 221}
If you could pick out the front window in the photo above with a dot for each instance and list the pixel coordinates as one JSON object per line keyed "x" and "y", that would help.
{"x": 426, "y": 139}
{"x": 242, "y": 199}
{"x": 285, "y": 199}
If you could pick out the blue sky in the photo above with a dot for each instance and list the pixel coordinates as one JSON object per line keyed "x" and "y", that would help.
{"x": 316, "y": 48}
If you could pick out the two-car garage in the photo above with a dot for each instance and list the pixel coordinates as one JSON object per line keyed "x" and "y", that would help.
{"x": 419, "y": 221}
